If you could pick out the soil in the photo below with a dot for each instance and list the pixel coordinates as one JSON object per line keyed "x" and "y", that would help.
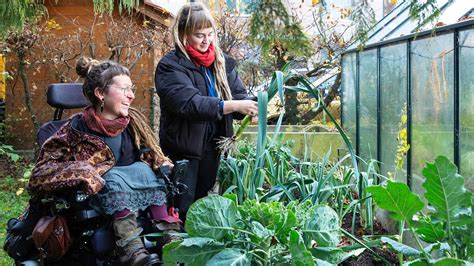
{"x": 7, "y": 168}
{"x": 12, "y": 169}
{"x": 367, "y": 257}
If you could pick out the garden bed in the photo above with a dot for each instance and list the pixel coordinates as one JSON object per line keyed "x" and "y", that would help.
{"x": 366, "y": 257}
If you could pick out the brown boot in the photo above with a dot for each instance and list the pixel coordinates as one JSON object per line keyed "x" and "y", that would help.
{"x": 168, "y": 230}
{"x": 129, "y": 245}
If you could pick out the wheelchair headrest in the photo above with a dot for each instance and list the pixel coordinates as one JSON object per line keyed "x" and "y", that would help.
{"x": 66, "y": 96}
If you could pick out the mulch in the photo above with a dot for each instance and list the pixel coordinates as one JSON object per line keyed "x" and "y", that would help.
{"x": 367, "y": 257}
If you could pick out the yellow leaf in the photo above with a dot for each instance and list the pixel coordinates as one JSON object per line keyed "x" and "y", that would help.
{"x": 314, "y": 2}
{"x": 390, "y": 175}
{"x": 394, "y": 2}
{"x": 403, "y": 133}
{"x": 404, "y": 119}
{"x": 341, "y": 42}
{"x": 19, "y": 191}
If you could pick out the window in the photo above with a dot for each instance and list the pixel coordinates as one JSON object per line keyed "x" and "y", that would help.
{"x": 466, "y": 108}
{"x": 349, "y": 96}
{"x": 368, "y": 105}
{"x": 432, "y": 79}
{"x": 393, "y": 98}
{"x": 238, "y": 6}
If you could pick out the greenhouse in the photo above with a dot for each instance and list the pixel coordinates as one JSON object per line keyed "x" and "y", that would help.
{"x": 411, "y": 92}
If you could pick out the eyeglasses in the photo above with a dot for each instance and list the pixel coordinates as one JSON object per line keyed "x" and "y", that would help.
{"x": 132, "y": 89}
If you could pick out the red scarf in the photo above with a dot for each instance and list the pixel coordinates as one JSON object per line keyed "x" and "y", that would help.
{"x": 203, "y": 59}
{"x": 109, "y": 128}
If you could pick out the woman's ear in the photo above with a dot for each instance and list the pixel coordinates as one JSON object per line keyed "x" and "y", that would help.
{"x": 99, "y": 93}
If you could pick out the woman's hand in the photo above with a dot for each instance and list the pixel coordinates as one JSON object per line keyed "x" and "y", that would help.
{"x": 168, "y": 163}
{"x": 254, "y": 120}
{"x": 245, "y": 107}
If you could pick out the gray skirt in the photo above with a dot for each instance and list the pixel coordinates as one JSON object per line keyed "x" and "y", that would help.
{"x": 133, "y": 187}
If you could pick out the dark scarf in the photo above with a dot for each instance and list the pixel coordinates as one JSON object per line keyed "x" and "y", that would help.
{"x": 109, "y": 128}
{"x": 203, "y": 59}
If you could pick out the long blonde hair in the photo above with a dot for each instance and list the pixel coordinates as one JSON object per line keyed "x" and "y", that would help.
{"x": 194, "y": 16}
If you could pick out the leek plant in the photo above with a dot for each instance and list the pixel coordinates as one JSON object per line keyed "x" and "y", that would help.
{"x": 259, "y": 172}
{"x": 365, "y": 206}
{"x": 237, "y": 171}
{"x": 279, "y": 78}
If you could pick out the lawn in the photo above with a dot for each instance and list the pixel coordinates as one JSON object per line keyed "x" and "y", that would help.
{"x": 11, "y": 205}
{"x": 13, "y": 198}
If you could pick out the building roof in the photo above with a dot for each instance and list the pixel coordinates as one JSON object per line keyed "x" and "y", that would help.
{"x": 398, "y": 23}
{"x": 169, "y": 6}
{"x": 160, "y": 11}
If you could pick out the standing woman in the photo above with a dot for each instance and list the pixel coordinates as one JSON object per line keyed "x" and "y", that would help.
{"x": 200, "y": 95}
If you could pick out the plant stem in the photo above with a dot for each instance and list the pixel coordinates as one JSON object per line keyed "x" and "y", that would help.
{"x": 263, "y": 261}
{"x": 427, "y": 257}
{"x": 243, "y": 125}
{"x": 400, "y": 230}
{"x": 238, "y": 230}
{"x": 255, "y": 244}
{"x": 364, "y": 245}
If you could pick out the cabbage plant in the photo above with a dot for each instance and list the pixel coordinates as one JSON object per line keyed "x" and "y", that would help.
{"x": 445, "y": 224}
{"x": 220, "y": 232}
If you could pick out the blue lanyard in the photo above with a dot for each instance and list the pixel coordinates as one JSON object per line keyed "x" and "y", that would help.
{"x": 210, "y": 82}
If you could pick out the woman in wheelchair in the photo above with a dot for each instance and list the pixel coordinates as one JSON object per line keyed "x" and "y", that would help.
{"x": 109, "y": 151}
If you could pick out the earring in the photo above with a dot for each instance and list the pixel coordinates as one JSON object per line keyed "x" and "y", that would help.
{"x": 102, "y": 105}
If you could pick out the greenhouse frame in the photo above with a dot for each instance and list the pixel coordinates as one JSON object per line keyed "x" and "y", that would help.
{"x": 421, "y": 79}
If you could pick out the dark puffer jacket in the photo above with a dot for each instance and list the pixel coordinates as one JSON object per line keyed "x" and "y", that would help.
{"x": 185, "y": 106}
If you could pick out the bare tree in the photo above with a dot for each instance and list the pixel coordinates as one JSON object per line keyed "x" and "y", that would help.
{"x": 127, "y": 40}
{"x": 331, "y": 37}
{"x": 232, "y": 32}
{"x": 21, "y": 44}
{"x": 59, "y": 52}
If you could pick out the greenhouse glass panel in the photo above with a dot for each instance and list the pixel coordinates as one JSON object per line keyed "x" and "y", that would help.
{"x": 451, "y": 13}
{"x": 410, "y": 25}
{"x": 399, "y": 14}
{"x": 393, "y": 98}
{"x": 368, "y": 105}
{"x": 399, "y": 20}
{"x": 466, "y": 108}
{"x": 432, "y": 73}
{"x": 349, "y": 96}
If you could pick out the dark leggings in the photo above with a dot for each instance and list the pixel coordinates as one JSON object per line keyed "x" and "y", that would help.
{"x": 200, "y": 178}
{"x": 201, "y": 173}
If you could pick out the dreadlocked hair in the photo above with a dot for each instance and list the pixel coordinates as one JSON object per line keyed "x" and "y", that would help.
{"x": 97, "y": 74}
{"x": 194, "y": 16}
{"x": 144, "y": 136}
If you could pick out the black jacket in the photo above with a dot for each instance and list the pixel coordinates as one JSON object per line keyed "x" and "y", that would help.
{"x": 186, "y": 107}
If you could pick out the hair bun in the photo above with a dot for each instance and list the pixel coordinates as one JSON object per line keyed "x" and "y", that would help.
{"x": 84, "y": 64}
